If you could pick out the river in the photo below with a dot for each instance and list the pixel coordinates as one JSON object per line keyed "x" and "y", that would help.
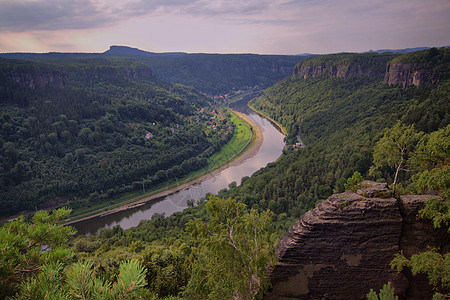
{"x": 269, "y": 151}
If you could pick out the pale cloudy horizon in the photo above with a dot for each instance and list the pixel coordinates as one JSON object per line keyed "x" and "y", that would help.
{"x": 220, "y": 26}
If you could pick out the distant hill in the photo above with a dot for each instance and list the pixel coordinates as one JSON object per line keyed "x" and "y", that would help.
{"x": 129, "y": 51}
{"x": 43, "y": 56}
{"x": 213, "y": 74}
{"x": 406, "y": 50}
{"x": 210, "y": 73}
{"x": 400, "y": 51}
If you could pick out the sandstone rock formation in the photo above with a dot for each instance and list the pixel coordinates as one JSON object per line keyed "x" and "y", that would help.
{"x": 342, "y": 248}
{"x": 344, "y": 70}
{"x": 410, "y": 74}
{"x": 345, "y": 65}
{"x": 34, "y": 78}
{"x": 427, "y": 66}
{"x": 38, "y": 79}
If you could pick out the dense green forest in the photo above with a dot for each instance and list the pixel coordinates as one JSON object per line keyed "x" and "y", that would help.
{"x": 221, "y": 248}
{"x": 96, "y": 128}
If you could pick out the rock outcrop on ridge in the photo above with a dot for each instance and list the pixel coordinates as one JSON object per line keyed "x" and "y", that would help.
{"x": 410, "y": 74}
{"x": 38, "y": 79}
{"x": 417, "y": 68}
{"x": 344, "y": 65}
{"x": 342, "y": 248}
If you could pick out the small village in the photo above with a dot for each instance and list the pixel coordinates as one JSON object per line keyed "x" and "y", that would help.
{"x": 211, "y": 118}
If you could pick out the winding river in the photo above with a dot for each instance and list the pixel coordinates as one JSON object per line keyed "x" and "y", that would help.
{"x": 270, "y": 150}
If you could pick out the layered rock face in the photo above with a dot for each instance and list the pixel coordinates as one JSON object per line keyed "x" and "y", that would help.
{"x": 345, "y": 71}
{"x": 38, "y": 79}
{"x": 343, "y": 247}
{"x": 34, "y": 78}
{"x": 410, "y": 74}
{"x": 344, "y": 65}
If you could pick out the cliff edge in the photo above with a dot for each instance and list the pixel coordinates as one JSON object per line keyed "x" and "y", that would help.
{"x": 38, "y": 75}
{"x": 416, "y": 68}
{"x": 342, "y": 248}
{"x": 411, "y": 69}
{"x": 345, "y": 65}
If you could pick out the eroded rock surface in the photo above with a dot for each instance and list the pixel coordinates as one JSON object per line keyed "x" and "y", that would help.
{"x": 410, "y": 74}
{"x": 342, "y": 248}
{"x": 38, "y": 79}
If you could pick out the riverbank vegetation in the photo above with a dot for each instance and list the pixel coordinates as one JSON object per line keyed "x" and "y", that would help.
{"x": 243, "y": 138}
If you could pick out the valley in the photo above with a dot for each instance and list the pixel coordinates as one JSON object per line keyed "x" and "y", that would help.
{"x": 364, "y": 151}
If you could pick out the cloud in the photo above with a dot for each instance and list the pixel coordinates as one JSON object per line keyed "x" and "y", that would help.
{"x": 20, "y": 15}
{"x": 52, "y": 15}
{"x": 23, "y": 15}
{"x": 227, "y": 7}
{"x": 262, "y": 26}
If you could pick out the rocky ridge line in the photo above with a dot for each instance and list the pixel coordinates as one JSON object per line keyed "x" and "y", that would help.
{"x": 38, "y": 79}
{"x": 410, "y": 74}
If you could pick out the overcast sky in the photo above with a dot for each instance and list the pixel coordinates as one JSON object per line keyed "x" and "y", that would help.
{"x": 223, "y": 26}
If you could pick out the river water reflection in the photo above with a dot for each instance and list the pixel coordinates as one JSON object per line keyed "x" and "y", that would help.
{"x": 270, "y": 150}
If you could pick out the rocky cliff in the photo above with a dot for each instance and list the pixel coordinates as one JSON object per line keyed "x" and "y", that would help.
{"x": 346, "y": 70}
{"x": 343, "y": 247}
{"x": 36, "y": 76}
{"x": 411, "y": 74}
{"x": 37, "y": 79}
{"x": 427, "y": 66}
{"x": 344, "y": 65}
{"x": 416, "y": 68}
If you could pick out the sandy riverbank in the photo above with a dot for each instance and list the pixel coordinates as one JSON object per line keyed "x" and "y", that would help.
{"x": 251, "y": 151}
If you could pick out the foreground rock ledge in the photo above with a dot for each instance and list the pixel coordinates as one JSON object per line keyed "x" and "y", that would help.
{"x": 342, "y": 248}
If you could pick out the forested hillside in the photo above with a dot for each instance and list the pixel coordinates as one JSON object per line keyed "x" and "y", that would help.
{"x": 92, "y": 127}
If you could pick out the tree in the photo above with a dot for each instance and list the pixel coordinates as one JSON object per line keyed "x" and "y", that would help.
{"x": 436, "y": 265}
{"x": 26, "y": 247}
{"x": 394, "y": 148}
{"x": 83, "y": 283}
{"x": 353, "y": 183}
{"x": 386, "y": 293}
{"x": 36, "y": 264}
{"x": 236, "y": 249}
{"x": 432, "y": 151}
{"x": 431, "y": 159}
{"x": 79, "y": 282}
